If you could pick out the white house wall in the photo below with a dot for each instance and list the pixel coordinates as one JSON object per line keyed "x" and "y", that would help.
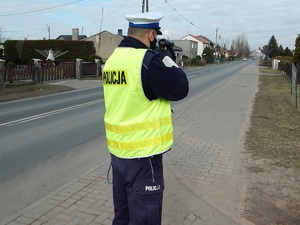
{"x": 201, "y": 46}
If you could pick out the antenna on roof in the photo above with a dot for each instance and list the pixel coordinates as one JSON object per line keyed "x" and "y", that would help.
{"x": 50, "y": 54}
{"x": 100, "y": 30}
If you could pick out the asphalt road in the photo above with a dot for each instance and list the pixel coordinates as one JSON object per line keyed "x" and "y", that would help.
{"x": 47, "y": 141}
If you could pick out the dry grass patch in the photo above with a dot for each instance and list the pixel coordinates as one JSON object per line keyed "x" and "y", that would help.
{"x": 275, "y": 124}
{"x": 30, "y": 90}
{"x": 273, "y": 140}
{"x": 266, "y": 70}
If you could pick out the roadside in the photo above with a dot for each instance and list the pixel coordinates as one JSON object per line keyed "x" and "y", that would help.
{"x": 31, "y": 90}
{"x": 23, "y": 90}
{"x": 273, "y": 193}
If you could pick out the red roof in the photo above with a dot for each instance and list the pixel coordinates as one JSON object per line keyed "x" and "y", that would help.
{"x": 204, "y": 41}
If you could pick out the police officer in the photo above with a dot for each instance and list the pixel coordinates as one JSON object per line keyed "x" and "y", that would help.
{"x": 138, "y": 88}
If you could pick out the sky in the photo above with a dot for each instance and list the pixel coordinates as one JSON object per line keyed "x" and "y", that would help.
{"x": 220, "y": 21}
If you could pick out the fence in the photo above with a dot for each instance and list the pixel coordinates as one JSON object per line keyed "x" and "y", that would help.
{"x": 89, "y": 68}
{"x": 294, "y": 92}
{"x": 46, "y": 71}
{"x": 285, "y": 67}
{"x": 64, "y": 70}
{"x": 294, "y": 72}
{"x": 19, "y": 72}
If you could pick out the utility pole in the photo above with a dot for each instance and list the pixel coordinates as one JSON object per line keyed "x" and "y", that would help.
{"x": 100, "y": 31}
{"x": 216, "y": 37}
{"x": 216, "y": 49}
{"x": 143, "y": 6}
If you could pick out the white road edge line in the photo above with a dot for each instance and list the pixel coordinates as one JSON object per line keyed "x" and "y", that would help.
{"x": 39, "y": 116}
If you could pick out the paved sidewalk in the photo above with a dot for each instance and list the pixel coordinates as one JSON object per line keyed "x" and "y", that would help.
{"x": 209, "y": 149}
{"x": 204, "y": 173}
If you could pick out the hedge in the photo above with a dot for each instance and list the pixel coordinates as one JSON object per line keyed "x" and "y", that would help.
{"x": 22, "y": 52}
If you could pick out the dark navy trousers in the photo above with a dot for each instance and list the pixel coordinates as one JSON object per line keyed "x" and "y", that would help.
{"x": 138, "y": 186}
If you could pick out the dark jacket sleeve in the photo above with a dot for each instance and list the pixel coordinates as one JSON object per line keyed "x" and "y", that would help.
{"x": 160, "y": 81}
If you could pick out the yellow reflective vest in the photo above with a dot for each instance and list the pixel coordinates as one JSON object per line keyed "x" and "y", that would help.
{"x": 135, "y": 127}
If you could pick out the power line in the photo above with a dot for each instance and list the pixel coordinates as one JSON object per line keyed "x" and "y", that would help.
{"x": 19, "y": 31}
{"x": 233, "y": 31}
{"x": 96, "y": 22}
{"x": 184, "y": 17}
{"x": 38, "y": 10}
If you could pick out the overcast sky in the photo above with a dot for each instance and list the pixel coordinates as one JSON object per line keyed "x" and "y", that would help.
{"x": 257, "y": 19}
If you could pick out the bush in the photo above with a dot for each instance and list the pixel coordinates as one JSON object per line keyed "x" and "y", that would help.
{"x": 202, "y": 62}
{"x": 196, "y": 61}
{"x": 285, "y": 58}
{"x": 11, "y": 64}
{"x": 91, "y": 58}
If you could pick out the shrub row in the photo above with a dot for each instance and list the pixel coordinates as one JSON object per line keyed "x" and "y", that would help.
{"x": 22, "y": 52}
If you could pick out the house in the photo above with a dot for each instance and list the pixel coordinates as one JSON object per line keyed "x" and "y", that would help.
{"x": 227, "y": 54}
{"x": 105, "y": 42}
{"x": 218, "y": 51}
{"x": 74, "y": 37}
{"x": 189, "y": 47}
{"x": 202, "y": 42}
{"x": 178, "y": 53}
{"x": 211, "y": 44}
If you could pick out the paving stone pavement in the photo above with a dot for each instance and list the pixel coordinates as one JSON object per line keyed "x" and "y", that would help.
{"x": 204, "y": 172}
{"x": 210, "y": 133}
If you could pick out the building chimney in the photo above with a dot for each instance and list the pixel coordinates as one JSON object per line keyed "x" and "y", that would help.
{"x": 120, "y": 32}
{"x": 75, "y": 32}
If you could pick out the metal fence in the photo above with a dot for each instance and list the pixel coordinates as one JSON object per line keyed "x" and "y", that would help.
{"x": 293, "y": 71}
{"x": 286, "y": 67}
{"x": 89, "y": 68}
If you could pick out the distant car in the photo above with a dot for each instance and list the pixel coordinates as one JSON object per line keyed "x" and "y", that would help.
{"x": 245, "y": 59}
{"x": 253, "y": 58}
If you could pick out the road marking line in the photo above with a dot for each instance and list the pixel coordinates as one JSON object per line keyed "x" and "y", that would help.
{"x": 39, "y": 116}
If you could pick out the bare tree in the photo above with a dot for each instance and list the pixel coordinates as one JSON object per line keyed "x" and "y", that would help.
{"x": 240, "y": 46}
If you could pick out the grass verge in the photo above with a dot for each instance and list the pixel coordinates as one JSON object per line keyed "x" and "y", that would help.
{"x": 266, "y": 70}
{"x": 30, "y": 90}
{"x": 274, "y": 133}
{"x": 273, "y": 141}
